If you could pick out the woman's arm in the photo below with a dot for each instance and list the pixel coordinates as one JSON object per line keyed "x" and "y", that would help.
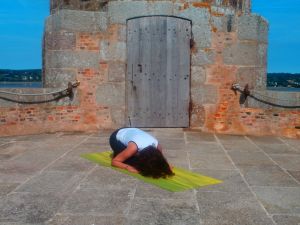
{"x": 159, "y": 147}
{"x": 130, "y": 151}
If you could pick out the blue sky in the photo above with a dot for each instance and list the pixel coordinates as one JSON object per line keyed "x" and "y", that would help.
{"x": 284, "y": 33}
{"x": 22, "y": 24}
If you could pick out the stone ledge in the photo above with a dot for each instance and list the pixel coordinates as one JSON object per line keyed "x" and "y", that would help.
{"x": 5, "y": 103}
{"x": 277, "y": 97}
{"x": 77, "y": 21}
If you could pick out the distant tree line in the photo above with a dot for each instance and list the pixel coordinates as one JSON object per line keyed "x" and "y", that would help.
{"x": 283, "y": 80}
{"x": 34, "y": 75}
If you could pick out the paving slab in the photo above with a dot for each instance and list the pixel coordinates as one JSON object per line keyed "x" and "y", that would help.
{"x": 292, "y": 142}
{"x": 96, "y": 202}
{"x": 199, "y": 137}
{"x": 232, "y": 181}
{"x": 172, "y": 144}
{"x": 28, "y": 208}
{"x": 204, "y": 148}
{"x": 279, "y": 200}
{"x": 267, "y": 176}
{"x": 210, "y": 161}
{"x": 108, "y": 182}
{"x": 144, "y": 190}
{"x": 71, "y": 163}
{"x": 63, "y": 219}
{"x": 13, "y": 149}
{"x": 250, "y": 159}
{"x": 287, "y": 219}
{"x": 240, "y": 146}
{"x": 163, "y": 211}
{"x": 218, "y": 208}
{"x": 52, "y": 182}
{"x": 230, "y": 139}
{"x": 168, "y": 134}
{"x": 295, "y": 174}
{"x": 265, "y": 140}
{"x": 288, "y": 162}
{"x": 278, "y": 149}
{"x": 6, "y": 188}
{"x": 43, "y": 180}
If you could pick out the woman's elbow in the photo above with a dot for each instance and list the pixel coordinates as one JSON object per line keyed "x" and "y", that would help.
{"x": 113, "y": 163}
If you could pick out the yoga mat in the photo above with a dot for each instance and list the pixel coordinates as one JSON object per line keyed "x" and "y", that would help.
{"x": 181, "y": 181}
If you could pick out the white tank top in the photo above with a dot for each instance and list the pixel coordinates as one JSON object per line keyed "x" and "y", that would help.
{"x": 139, "y": 137}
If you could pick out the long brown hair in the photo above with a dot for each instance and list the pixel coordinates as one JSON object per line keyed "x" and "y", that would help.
{"x": 150, "y": 162}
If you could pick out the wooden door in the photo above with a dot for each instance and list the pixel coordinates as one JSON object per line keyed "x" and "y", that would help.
{"x": 158, "y": 71}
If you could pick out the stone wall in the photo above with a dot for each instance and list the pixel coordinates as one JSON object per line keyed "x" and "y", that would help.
{"x": 230, "y": 46}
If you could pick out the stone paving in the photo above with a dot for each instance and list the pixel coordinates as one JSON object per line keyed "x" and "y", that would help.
{"x": 43, "y": 180}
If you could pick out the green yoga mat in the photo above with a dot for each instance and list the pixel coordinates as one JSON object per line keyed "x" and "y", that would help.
{"x": 181, "y": 181}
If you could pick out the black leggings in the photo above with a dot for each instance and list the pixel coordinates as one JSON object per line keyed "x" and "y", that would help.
{"x": 118, "y": 147}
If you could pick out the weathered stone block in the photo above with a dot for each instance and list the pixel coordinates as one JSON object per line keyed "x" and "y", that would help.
{"x": 71, "y": 59}
{"x": 116, "y": 71}
{"x": 202, "y": 36}
{"x": 89, "y": 5}
{"x": 242, "y": 53}
{"x": 199, "y": 16}
{"x": 222, "y": 10}
{"x": 246, "y": 75}
{"x": 104, "y": 50}
{"x": 198, "y": 75}
{"x": 262, "y": 54}
{"x": 255, "y": 77}
{"x": 197, "y": 116}
{"x": 77, "y": 21}
{"x": 118, "y": 117}
{"x": 63, "y": 40}
{"x": 160, "y": 8}
{"x": 115, "y": 51}
{"x": 261, "y": 79}
{"x": 120, "y": 11}
{"x": 111, "y": 94}
{"x": 253, "y": 27}
{"x": 202, "y": 57}
{"x": 59, "y": 77}
{"x": 204, "y": 94}
{"x": 217, "y": 23}
{"x": 122, "y": 33}
{"x": 224, "y": 23}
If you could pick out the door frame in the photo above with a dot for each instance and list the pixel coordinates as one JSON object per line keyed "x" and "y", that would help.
{"x": 127, "y": 118}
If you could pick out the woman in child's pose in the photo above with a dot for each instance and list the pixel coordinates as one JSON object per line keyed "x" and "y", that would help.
{"x": 138, "y": 152}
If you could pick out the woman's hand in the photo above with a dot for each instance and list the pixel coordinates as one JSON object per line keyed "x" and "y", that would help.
{"x": 119, "y": 160}
{"x": 132, "y": 169}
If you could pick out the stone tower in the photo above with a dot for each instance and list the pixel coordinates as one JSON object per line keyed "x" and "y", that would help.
{"x": 88, "y": 40}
